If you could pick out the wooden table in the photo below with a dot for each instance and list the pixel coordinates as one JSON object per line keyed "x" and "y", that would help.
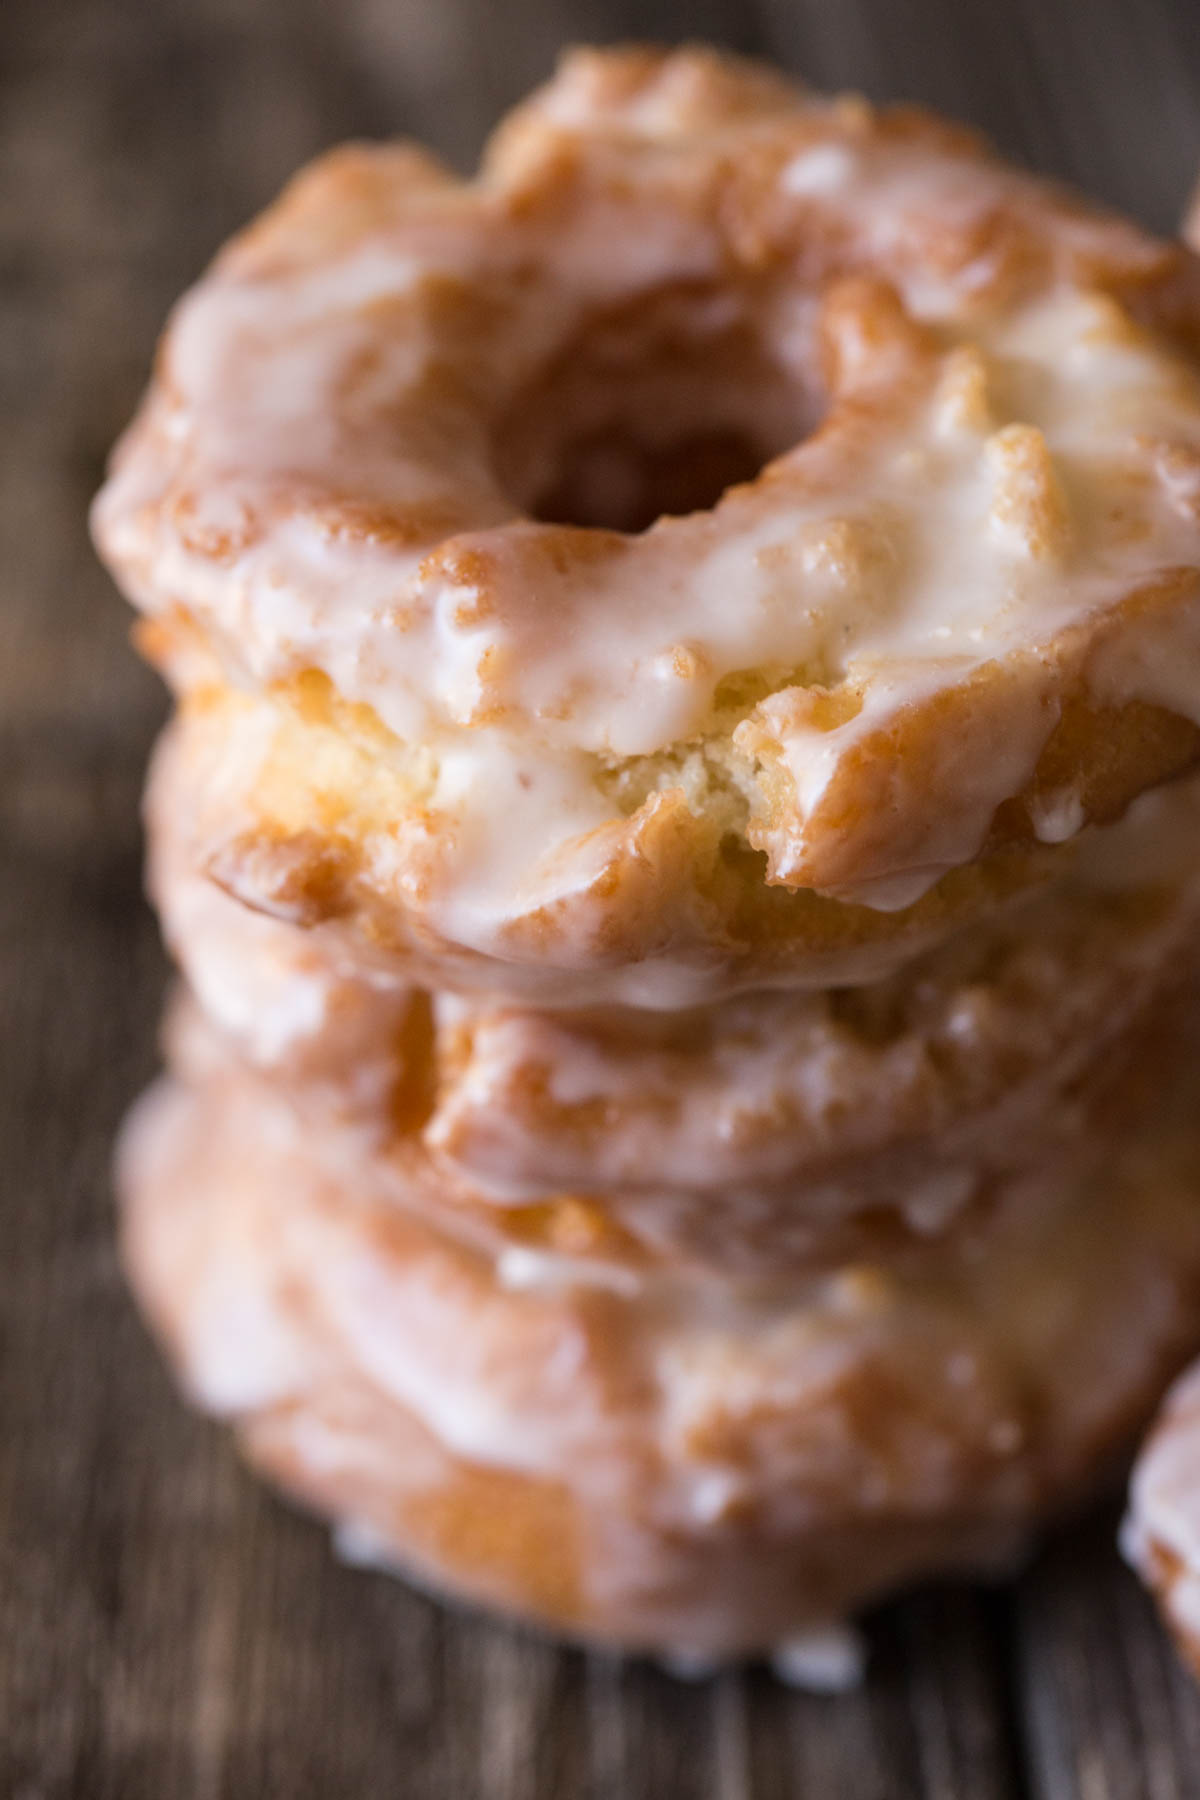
{"x": 167, "y": 1629}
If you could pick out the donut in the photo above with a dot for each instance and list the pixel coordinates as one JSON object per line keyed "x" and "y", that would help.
{"x": 767, "y": 1132}
{"x": 694, "y": 1469}
{"x": 737, "y": 528}
{"x": 1161, "y": 1532}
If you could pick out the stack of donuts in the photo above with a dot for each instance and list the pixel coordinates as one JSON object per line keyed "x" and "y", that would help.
{"x": 680, "y": 838}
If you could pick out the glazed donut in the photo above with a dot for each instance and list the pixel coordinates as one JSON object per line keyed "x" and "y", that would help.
{"x": 699, "y": 544}
{"x": 664, "y": 1465}
{"x": 1161, "y": 1533}
{"x": 934, "y": 1067}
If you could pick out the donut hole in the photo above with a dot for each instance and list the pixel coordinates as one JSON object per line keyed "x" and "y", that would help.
{"x": 611, "y": 479}
{"x": 656, "y": 408}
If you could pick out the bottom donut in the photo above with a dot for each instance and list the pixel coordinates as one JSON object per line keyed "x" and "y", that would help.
{"x": 685, "y": 1467}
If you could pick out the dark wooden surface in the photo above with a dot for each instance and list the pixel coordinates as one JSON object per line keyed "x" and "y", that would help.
{"x": 167, "y": 1630}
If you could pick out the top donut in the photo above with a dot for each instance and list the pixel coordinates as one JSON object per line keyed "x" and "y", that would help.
{"x": 726, "y": 478}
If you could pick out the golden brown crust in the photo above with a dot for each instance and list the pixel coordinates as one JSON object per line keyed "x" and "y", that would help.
{"x": 299, "y": 821}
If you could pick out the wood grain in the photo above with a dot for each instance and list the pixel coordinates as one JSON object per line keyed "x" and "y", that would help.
{"x": 168, "y": 1631}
